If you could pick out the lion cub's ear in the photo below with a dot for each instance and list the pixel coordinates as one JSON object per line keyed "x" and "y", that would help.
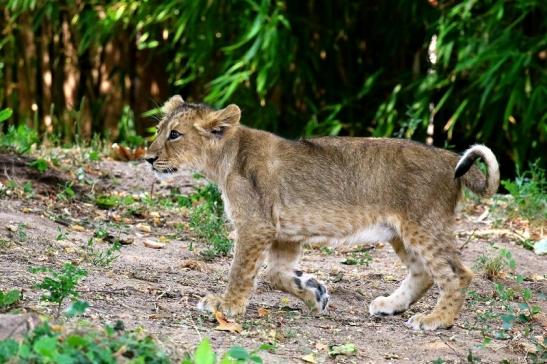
{"x": 172, "y": 104}
{"x": 216, "y": 123}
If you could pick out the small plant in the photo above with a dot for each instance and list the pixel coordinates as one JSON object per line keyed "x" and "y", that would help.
{"x": 46, "y": 344}
{"x": 94, "y": 156}
{"x": 494, "y": 267}
{"x": 27, "y": 189}
{"x": 358, "y": 258}
{"x": 102, "y": 257}
{"x": 529, "y": 192}
{"x": 21, "y": 138}
{"x": 60, "y": 284}
{"x": 207, "y": 221}
{"x": 4, "y": 243}
{"x": 40, "y": 165}
{"x": 21, "y": 232}
{"x": 204, "y": 354}
{"x": 5, "y": 114}
{"x": 126, "y": 130}
{"x": 510, "y": 310}
{"x": 61, "y": 234}
{"x": 106, "y": 202}
{"x": 9, "y": 298}
{"x": 67, "y": 193}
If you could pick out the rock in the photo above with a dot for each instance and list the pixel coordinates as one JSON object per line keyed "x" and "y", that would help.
{"x": 153, "y": 244}
{"x": 540, "y": 247}
{"x": 14, "y": 326}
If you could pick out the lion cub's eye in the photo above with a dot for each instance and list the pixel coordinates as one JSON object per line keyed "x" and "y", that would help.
{"x": 174, "y": 135}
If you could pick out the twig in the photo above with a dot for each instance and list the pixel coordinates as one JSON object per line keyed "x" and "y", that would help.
{"x": 192, "y": 319}
{"x": 152, "y": 189}
{"x": 451, "y": 347}
{"x": 468, "y": 239}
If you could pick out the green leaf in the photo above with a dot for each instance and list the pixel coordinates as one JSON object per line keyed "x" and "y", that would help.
{"x": 10, "y": 297}
{"x": 8, "y": 349}
{"x": 77, "y": 308}
{"x": 237, "y": 352}
{"x": 5, "y": 114}
{"x": 204, "y": 353}
{"x": 40, "y": 165}
{"x": 345, "y": 349}
{"x": 76, "y": 341}
{"x": 46, "y": 346}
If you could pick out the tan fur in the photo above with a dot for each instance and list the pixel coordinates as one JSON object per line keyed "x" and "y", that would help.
{"x": 280, "y": 194}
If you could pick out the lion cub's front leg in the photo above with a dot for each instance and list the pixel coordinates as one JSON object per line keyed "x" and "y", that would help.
{"x": 248, "y": 256}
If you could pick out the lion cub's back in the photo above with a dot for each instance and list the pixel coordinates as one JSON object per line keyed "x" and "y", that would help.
{"x": 388, "y": 174}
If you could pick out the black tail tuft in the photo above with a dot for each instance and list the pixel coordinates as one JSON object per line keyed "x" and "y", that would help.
{"x": 464, "y": 166}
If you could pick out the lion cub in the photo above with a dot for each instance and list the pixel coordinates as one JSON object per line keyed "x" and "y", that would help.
{"x": 281, "y": 194}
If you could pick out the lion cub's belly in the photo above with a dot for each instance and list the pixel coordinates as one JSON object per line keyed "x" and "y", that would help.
{"x": 367, "y": 234}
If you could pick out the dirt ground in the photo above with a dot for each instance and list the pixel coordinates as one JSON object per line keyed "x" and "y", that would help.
{"x": 157, "y": 289}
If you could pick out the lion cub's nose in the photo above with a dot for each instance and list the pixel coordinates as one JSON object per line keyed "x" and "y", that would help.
{"x": 150, "y": 160}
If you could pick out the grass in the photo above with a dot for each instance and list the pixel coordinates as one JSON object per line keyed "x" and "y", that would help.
{"x": 109, "y": 344}
{"x": 509, "y": 311}
{"x": 102, "y": 257}
{"x": 9, "y": 298}
{"x": 529, "y": 194}
{"x": 207, "y": 221}
{"x": 60, "y": 284}
{"x": 494, "y": 267}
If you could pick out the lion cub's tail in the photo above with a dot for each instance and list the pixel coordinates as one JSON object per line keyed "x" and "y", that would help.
{"x": 475, "y": 180}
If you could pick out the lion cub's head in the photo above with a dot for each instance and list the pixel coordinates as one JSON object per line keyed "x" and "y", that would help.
{"x": 188, "y": 132}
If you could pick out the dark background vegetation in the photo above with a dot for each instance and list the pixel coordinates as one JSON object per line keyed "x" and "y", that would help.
{"x": 75, "y": 69}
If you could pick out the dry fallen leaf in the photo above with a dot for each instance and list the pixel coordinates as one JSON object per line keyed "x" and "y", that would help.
{"x": 263, "y": 311}
{"x": 123, "y": 153}
{"x": 11, "y": 228}
{"x": 309, "y": 358}
{"x": 321, "y": 346}
{"x": 77, "y": 227}
{"x": 144, "y": 228}
{"x": 225, "y": 325}
{"x": 192, "y": 264}
{"x": 153, "y": 244}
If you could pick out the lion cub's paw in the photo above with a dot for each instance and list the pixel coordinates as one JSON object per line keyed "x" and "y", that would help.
{"x": 429, "y": 322}
{"x": 212, "y": 303}
{"x": 315, "y": 293}
{"x": 386, "y": 306}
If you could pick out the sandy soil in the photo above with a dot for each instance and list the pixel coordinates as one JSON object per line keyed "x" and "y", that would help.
{"x": 158, "y": 289}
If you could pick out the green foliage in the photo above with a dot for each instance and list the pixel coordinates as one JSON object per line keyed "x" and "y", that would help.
{"x": 40, "y": 165}
{"x": 493, "y": 267}
{"x": 21, "y": 138}
{"x": 9, "y": 298}
{"x": 293, "y": 67}
{"x": 67, "y": 192}
{"x": 529, "y": 192}
{"x": 5, "y": 114}
{"x": 102, "y": 257}
{"x": 21, "y": 232}
{"x": 358, "y": 258}
{"x": 207, "y": 220}
{"x": 204, "y": 354}
{"x": 82, "y": 345}
{"x": 106, "y": 201}
{"x": 127, "y": 134}
{"x": 515, "y": 314}
{"x": 60, "y": 284}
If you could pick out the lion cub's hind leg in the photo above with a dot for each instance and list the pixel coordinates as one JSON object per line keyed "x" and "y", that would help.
{"x": 411, "y": 289}
{"x": 283, "y": 274}
{"x": 443, "y": 262}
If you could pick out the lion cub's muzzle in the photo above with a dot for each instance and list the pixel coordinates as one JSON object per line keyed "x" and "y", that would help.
{"x": 159, "y": 168}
